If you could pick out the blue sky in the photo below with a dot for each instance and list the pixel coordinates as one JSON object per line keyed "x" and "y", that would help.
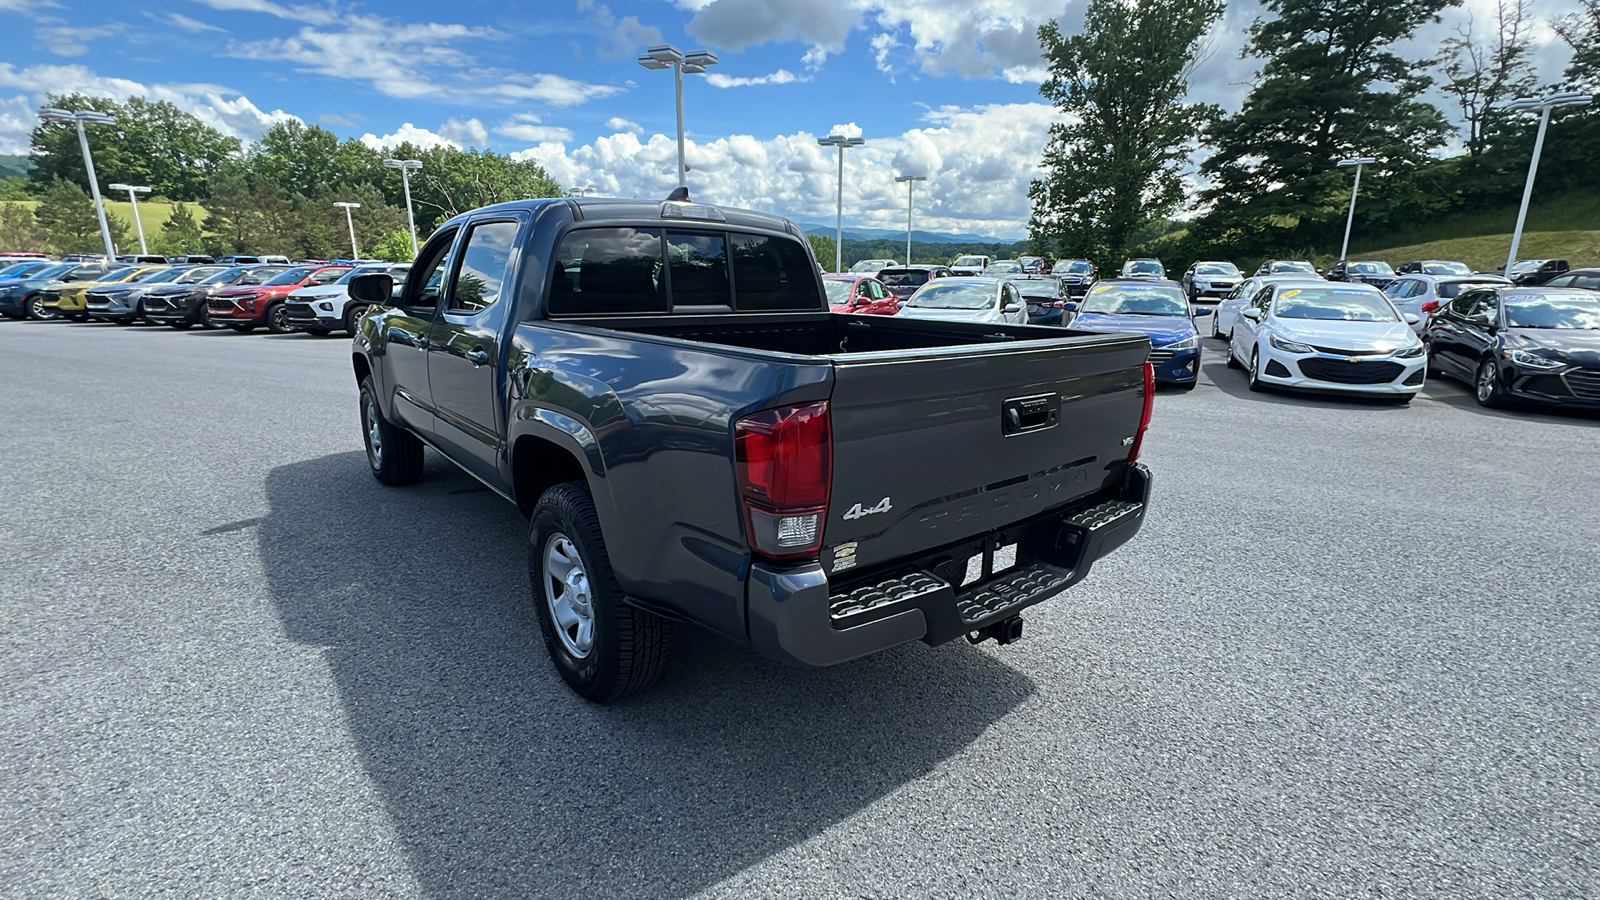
{"x": 945, "y": 88}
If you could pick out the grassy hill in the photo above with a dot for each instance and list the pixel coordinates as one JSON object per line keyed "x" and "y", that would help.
{"x": 154, "y": 214}
{"x": 1566, "y": 227}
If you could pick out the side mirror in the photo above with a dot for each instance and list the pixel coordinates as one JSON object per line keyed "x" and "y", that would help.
{"x": 1412, "y": 318}
{"x": 1070, "y": 306}
{"x": 1480, "y": 319}
{"x": 1251, "y": 313}
{"x": 1011, "y": 307}
{"x": 375, "y": 287}
{"x": 1202, "y": 310}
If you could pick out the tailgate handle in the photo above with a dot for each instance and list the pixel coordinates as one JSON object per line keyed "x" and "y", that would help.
{"x": 1024, "y": 414}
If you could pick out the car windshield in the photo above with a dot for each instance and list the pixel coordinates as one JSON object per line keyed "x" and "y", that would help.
{"x": 1038, "y": 286}
{"x": 1075, "y": 267}
{"x": 954, "y": 296}
{"x": 226, "y": 276}
{"x": 290, "y": 276}
{"x": 260, "y": 275}
{"x": 1142, "y": 267}
{"x": 1371, "y": 268}
{"x": 1216, "y": 269}
{"x": 1136, "y": 300}
{"x": 1449, "y": 290}
{"x": 838, "y": 291}
{"x": 369, "y": 270}
{"x": 154, "y": 275}
{"x": 200, "y": 274}
{"x": 1527, "y": 265}
{"x": 870, "y": 265}
{"x": 903, "y": 277}
{"x": 18, "y": 268}
{"x": 1574, "y": 310}
{"x": 1002, "y": 266}
{"x": 1293, "y": 265}
{"x": 968, "y": 261}
{"x": 115, "y": 274}
{"x": 1341, "y": 304}
{"x": 1446, "y": 268}
{"x": 53, "y": 272}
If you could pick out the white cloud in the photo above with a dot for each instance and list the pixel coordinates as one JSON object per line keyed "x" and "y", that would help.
{"x": 618, "y": 123}
{"x": 17, "y": 120}
{"x": 619, "y": 38}
{"x": 193, "y": 26}
{"x": 311, "y": 14}
{"x": 782, "y": 76}
{"x": 408, "y": 133}
{"x": 220, "y": 107}
{"x": 978, "y": 162}
{"x": 556, "y": 90}
{"x": 33, "y": 9}
{"x": 534, "y": 134}
{"x": 468, "y": 132}
{"x": 72, "y": 40}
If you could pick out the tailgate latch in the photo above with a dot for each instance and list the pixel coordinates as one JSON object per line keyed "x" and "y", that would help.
{"x": 1023, "y": 414}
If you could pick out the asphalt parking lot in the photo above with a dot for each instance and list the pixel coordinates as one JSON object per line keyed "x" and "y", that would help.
{"x": 1354, "y": 653}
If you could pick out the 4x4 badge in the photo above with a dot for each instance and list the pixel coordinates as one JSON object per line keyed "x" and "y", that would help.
{"x": 857, "y": 512}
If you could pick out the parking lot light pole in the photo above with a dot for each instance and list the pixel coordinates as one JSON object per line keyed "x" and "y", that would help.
{"x": 134, "y": 190}
{"x": 51, "y": 114}
{"x": 1544, "y": 105}
{"x": 355, "y": 253}
{"x": 840, "y": 141}
{"x": 910, "y": 181}
{"x": 695, "y": 62}
{"x": 405, "y": 166}
{"x": 1350, "y": 219}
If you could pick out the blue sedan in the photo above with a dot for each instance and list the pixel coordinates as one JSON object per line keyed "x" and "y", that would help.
{"x": 1158, "y": 309}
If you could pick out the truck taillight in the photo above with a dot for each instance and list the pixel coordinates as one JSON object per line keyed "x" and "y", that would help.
{"x": 1144, "y": 416}
{"x": 785, "y": 462}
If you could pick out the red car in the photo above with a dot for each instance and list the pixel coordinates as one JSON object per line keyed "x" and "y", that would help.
{"x": 245, "y": 307}
{"x": 859, "y": 294}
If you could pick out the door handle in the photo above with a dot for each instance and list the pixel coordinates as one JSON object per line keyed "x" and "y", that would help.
{"x": 419, "y": 341}
{"x": 478, "y": 357}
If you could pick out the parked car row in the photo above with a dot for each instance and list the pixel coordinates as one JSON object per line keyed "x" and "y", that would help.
{"x": 277, "y": 296}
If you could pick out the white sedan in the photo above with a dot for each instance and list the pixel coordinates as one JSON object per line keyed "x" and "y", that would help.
{"x": 1328, "y": 337}
{"x": 1410, "y": 293}
{"x": 969, "y": 299}
{"x": 1227, "y": 313}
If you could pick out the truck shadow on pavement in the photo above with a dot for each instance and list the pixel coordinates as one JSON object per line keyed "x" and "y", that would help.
{"x": 499, "y": 782}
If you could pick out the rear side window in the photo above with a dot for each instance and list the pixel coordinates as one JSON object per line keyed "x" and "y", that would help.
{"x": 607, "y": 270}
{"x": 699, "y": 269}
{"x": 773, "y": 273}
{"x": 483, "y": 267}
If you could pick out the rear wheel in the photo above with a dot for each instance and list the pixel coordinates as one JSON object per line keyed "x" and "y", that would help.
{"x": 38, "y": 311}
{"x": 393, "y": 454}
{"x": 278, "y": 319}
{"x": 1233, "y": 363}
{"x": 603, "y": 647}
{"x": 353, "y": 315}
{"x": 1487, "y": 385}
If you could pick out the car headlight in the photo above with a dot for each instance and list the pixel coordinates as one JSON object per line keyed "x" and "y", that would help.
{"x": 1188, "y": 343}
{"x": 1290, "y": 346}
{"x": 1535, "y": 361}
{"x": 1411, "y": 352}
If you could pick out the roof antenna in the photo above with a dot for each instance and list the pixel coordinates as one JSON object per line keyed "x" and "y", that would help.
{"x": 679, "y": 195}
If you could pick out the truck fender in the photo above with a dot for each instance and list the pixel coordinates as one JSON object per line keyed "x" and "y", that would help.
{"x": 565, "y": 433}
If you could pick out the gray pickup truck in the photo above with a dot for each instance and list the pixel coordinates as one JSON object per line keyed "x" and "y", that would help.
{"x": 661, "y": 388}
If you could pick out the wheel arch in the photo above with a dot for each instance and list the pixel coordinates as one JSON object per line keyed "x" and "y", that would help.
{"x": 541, "y": 460}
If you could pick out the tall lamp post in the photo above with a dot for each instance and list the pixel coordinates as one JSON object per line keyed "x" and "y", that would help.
{"x": 355, "y": 253}
{"x": 134, "y": 190}
{"x": 80, "y": 117}
{"x": 1544, "y": 105}
{"x": 840, "y": 141}
{"x": 666, "y": 56}
{"x": 1350, "y": 219}
{"x": 584, "y": 191}
{"x": 910, "y": 181}
{"x": 405, "y": 166}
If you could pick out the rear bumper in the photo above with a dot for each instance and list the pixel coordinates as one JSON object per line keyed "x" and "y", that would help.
{"x": 796, "y": 617}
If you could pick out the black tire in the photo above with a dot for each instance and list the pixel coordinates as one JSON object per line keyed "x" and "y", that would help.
{"x": 1232, "y": 363}
{"x": 38, "y": 311}
{"x": 628, "y": 647}
{"x": 1433, "y": 369}
{"x": 1254, "y": 373}
{"x": 243, "y": 329}
{"x": 1487, "y": 386}
{"x": 278, "y": 319}
{"x": 318, "y": 332}
{"x": 353, "y": 314}
{"x": 396, "y": 459}
{"x": 14, "y": 315}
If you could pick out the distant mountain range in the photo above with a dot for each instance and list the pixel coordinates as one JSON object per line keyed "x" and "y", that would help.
{"x": 926, "y": 237}
{"x": 14, "y": 165}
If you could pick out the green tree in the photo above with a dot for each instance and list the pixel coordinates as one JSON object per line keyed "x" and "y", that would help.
{"x": 14, "y": 187}
{"x": 1581, "y": 32}
{"x": 825, "y": 249}
{"x": 180, "y": 235}
{"x": 1114, "y": 165}
{"x": 454, "y": 181}
{"x": 293, "y": 158}
{"x": 233, "y": 223}
{"x": 396, "y": 247}
{"x": 1480, "y": 75}
{"x": 154, "y": 144}
{"x": 20, "y": 230}
{"x": 66, "y": 214}
{"x": 1331, "y": 87}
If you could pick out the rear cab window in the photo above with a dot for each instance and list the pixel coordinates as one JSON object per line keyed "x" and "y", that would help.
{"x": 622, "y": 269}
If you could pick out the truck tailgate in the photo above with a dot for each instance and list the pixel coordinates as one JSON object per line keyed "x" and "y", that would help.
{"x": 935, "y": 446}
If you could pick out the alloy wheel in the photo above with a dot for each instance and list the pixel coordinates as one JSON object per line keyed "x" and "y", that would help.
{"x": 1486, "y": 383}
{"x": 569, "y": 595}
